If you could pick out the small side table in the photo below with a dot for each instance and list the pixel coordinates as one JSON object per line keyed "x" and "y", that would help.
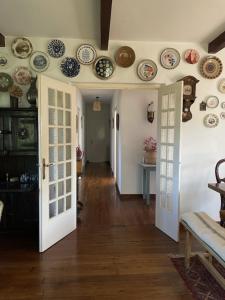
{"x": 146, "y": 170}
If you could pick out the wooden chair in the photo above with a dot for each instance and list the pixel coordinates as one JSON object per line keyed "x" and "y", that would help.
{"x": 219, "y": 179}
{"x": 1, "y": 209}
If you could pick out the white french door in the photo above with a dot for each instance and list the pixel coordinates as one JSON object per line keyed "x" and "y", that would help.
{"x": 57, "y": 160}
{"x": 168, "y": 159}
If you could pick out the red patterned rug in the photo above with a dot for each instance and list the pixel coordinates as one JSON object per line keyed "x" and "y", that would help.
{"x": 198, "y": 280}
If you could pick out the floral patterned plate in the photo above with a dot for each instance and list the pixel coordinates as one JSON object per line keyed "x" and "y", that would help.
{"x": 221, "y": 86}
{"x": 86, "y": 54}
{"x": 211, "y": 67}
{"x": 104, "y": 67}
{"x": 22, "y": 75}
{"x": 21, "y": 47}
{"x": 5, "y": 82}
{"x": 191, "y": 56}
{"x": 70, "y": 67}
{"x": 39, "y": 61}
{"x": 56, "y": 48}
{"x": 212, "y": 102}
{"x": 147, "y": 70}
{"x": 211, "y": 120}
{"x": 170, "y": 58}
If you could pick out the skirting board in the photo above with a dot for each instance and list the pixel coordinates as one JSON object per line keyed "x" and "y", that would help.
{"x": 131, "y": 196}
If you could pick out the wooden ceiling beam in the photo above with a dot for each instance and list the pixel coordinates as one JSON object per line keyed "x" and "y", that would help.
{"x": 106, "y": 7}
{"x": 2, "y": 40}
{"x": 217, "y": 44}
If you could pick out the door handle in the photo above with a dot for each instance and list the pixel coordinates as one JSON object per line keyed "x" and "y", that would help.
{"x": 44, "y": 165}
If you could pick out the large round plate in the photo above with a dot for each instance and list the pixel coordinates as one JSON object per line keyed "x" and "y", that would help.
{"x": 39, "y": 61}
{"x": 170, "y": 58}
{"x": 221, "y": 86}
{"x": 211, "y": 120}
{"x": 86, "y": 54}
{"x": 125, "y": 57}
{"x": 56, "y": 48}
{"x": 191, "y": 56}
{"x": 147, "y": 70}
{"x": 103, "y": 67}
{"x": 222, "y": 115}
{"x": 212, "y": 102}
{"x": 5, "y": 82}
{"x": 70, "y": 67}
{"x": 211, "y": 67}
{"x": 22, "y": 75}
{"x": 4, "y": 61}
{"x": 21, "y": 47}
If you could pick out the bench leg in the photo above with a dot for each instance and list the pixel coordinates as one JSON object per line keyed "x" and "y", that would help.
{"x": 187, "y": 249}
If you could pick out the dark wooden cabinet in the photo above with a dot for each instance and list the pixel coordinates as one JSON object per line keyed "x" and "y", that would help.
{"x": 18, "y": 131}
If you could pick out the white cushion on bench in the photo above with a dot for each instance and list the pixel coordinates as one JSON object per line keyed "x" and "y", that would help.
{"x": 208, "y": 231}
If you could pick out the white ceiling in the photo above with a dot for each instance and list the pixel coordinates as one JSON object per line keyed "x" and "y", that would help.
{"x": 147, "y": 20}
{"x": 89, "y": 95}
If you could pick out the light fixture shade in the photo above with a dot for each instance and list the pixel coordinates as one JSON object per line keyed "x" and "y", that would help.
{"x": 96, "y": 105}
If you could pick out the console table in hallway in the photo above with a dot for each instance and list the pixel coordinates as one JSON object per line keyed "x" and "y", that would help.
{"x": 146, "y": 170}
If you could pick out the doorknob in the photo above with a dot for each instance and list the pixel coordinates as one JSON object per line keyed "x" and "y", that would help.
{"x": 44, "y": 165}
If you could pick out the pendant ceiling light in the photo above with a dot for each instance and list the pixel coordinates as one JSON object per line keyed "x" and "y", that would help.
{"x": 97, "y": 105}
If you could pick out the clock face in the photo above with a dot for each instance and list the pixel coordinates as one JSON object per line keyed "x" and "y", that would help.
{"x": 187, "y": 90}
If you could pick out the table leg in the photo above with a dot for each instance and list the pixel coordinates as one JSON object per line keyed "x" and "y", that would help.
{"x": 144, "y": 183}
{"x": 147, "y": 187}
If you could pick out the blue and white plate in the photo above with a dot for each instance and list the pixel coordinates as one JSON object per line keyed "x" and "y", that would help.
{"x": 39, "y": 61}
{"x": 104, "y": 67}
{"x": 56, "y": 48}
{"x": 70, "y": 67}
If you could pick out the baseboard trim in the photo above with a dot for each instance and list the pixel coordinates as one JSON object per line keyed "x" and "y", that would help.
{"x": 130, "y": 196}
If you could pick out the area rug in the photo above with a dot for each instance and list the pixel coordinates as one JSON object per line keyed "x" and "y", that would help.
{"x": 198, "y": 280}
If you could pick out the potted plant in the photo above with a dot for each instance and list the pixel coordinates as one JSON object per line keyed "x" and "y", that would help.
{"x": 150, "y": 147}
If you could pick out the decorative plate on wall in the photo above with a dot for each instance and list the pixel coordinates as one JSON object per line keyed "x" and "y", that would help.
{"x": 56, "y": 48}
{"x": 222, "y": 115}
{"x": 221, "y": 86}
{"x": 125, "y": 57}
{"x": 86, "y": 54}
{"x": 5, "y": 82}
{"x": 211, "y": 67}
{"x": 211, "y": 120}
{"x": 191, "y": 56}
{"x": 103, "y": 67}
{"x": 39, "y": 61}
{"x": 70, "y": 67}
{"x": 212, "y": 102}
{"x": 223, "y": 105}
{"x": 21, "y": 47}
{"x": 147, "y": 70}
{"x": 4, "y": 61}
{"x": 170, "y": 58}
{"x": 22, "y": 75}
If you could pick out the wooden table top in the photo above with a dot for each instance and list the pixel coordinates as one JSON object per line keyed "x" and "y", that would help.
{"x": 218, "y": 187}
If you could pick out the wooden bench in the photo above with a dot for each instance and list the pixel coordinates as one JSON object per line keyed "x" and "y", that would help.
{"x": 211, "y": 236}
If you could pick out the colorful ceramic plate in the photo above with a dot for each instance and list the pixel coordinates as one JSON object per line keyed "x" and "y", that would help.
{"x": 21, "y": 47}
{"x": 222, "y": 115}
{"x": 191, "y": 56}
{"x": 212, "y": 102}
{"x": 4, "y": 61}
{"x": 22, "y": 75}
{"x": 103, "y": 67}
{"x": 211, "y": 67}
{"x": 5, "y": 82}
{"x": 223, "y": 105}
{"x": 170, "y": 58}
{"x": 211, "y": 120}
{"x": 147, "y": 70}
{"x": 86, "y": 54}
{"x": 56, "y": 48}
{"x": 125, "y": 57}
{"x": 221, "y": 86}
{"x": 70, "y": 67}
{"x": 39, "y": 61}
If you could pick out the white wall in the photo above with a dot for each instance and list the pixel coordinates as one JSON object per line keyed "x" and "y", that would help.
{"x": 201, "y": 147}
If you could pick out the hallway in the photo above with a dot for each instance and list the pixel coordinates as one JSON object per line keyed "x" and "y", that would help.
{"x": 115, "y": 254}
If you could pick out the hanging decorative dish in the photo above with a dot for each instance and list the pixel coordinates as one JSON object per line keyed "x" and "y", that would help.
{"x": 39, "y": 61}
{"x": 211, "y": 120}
{"x": 103, "y": 67}
{"x": 211, "y": 67}
{"x": 212, "y": 102}
{"x": 191, "y": 56}
{"x": 5, "y": 82}
{"x": 4, "y": 61}
{"x": 21, "y": 47}
{"x": 170, "y": 58}
{"x": 223, "y": 105}
{"x": 221, "y": 86}
{"x": 86, "y": 54}
{"x": 70, "y": 67}
{"x": 125, "y": 57}
{"x": 56, "y": 48}
{"x": 222, "y": 115}
{"x": 22, "y": 75}
{"x": 147, "y": 70}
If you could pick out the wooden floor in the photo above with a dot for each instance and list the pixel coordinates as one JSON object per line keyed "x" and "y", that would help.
{"x": 115, "y": 254}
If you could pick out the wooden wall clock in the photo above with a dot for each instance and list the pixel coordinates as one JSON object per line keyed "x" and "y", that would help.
{"x": 189, "y": 90}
